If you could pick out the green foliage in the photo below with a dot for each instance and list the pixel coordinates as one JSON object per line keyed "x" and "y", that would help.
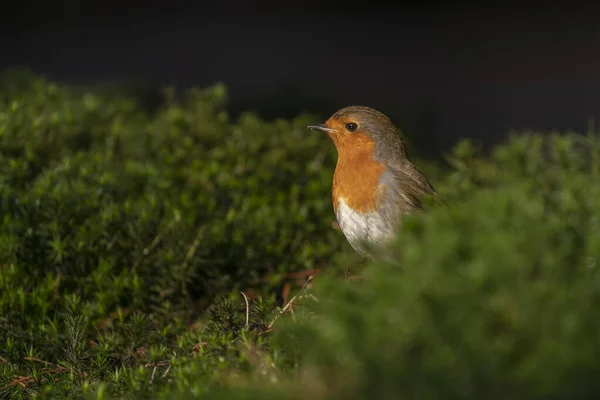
{"x": 137, "y": 222}
{"x": 127, "y": 236}
{"x": 495, "y": 296}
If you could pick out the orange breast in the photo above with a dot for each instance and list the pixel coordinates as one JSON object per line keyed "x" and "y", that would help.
{"x": 357, "y": 173}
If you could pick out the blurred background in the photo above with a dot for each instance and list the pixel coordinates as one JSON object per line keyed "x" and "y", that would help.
{"x": 441, "y": 71}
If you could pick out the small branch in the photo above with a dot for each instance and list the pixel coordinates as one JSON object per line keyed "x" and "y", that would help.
{"x": 58, "y": 367}
{"x": 291, "y": 302}
{"x": 191, "y": 251}
{"x": 152, "y": 245}
{"x": 247, "y": 309}
{"x": 312, "y": 297}
{"x": 157, "y": 364}
{"x": 22, "y": 381}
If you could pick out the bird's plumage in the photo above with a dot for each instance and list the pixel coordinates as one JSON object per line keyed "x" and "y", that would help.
{"x": 375, "y": 182}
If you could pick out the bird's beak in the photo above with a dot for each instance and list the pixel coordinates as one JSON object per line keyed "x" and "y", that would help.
{"x": 321, "y": 127}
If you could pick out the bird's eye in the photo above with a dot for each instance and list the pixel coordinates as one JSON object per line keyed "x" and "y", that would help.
{"x": 351, "y": 126}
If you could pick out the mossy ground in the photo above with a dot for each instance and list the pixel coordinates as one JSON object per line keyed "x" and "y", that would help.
{"x": 129, "y": 236}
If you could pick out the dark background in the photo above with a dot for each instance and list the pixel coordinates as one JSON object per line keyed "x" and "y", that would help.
{"x": 441, "y": 71}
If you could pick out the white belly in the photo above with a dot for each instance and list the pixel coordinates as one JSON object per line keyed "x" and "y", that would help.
{"x": 359, "y": 228}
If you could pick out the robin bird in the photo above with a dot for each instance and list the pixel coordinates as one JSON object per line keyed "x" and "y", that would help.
{"x": 374, "y": 182}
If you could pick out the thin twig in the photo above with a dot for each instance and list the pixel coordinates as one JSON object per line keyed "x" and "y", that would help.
{"x": 167, "y": 371}
{"x": 347, "y": 273}
{"x": 53, "y": 370}
{"x": 59, "y": 367}
{"x": 312, "y": 297}
{"x": 157, "y": 364}
{"x": 192, "y": 251}
{"x": 290, "y": 303}
{"x": 21, "y": 381}
{"x": 152, "y": 245}
{"x": 247, "y": 309}
{"x": 292, "y": 313}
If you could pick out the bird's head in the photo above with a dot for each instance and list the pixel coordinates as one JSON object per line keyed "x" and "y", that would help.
{"x": 355, "y": 126}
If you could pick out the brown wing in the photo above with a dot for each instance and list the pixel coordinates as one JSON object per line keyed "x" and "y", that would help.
{"x": 411, "y": 185}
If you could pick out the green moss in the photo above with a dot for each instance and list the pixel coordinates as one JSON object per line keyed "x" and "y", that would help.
{"x": 127, "y": 236}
